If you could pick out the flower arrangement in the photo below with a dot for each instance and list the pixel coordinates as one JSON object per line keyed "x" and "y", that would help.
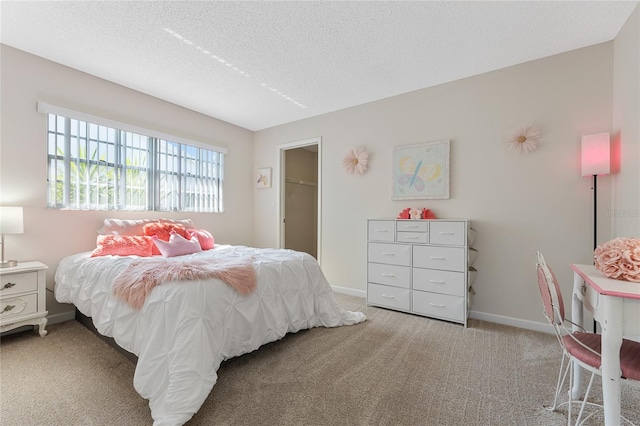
{"x": 619, "y": 259}
{"x": 416, "y": 213}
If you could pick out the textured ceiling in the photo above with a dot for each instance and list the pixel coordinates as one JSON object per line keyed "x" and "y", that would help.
{"x": 261, "y": 64}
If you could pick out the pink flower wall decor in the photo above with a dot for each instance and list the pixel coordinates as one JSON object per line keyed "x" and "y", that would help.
{"x": 619, "y": 259}
{"x": 525, "y": 140}
{"x": 355, "y": 161}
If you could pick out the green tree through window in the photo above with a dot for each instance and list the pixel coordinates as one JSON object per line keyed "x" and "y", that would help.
{"x": 95, "y": 167}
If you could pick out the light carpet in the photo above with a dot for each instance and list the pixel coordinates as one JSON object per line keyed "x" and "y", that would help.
{"x": 393, "y": 369}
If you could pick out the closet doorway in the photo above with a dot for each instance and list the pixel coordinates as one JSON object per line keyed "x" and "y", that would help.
{"x": 300, "y": 196}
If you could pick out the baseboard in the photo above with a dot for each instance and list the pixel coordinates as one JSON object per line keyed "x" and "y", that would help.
{"x": 349, "y": 291}
{"x": 514, "y": 322}
{"x": 61, "y": 317}
{"x": 497, "y": 319}
{"x": 51, "y": 319}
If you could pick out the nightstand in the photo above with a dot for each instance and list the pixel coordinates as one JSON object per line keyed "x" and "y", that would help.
{"x": 23, "y": 296}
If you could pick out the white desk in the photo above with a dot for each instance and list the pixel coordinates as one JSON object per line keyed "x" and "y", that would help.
{"x": 615, "y": 304}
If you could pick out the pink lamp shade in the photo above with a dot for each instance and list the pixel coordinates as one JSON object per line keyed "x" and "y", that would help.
{"x": 596, "y": 155}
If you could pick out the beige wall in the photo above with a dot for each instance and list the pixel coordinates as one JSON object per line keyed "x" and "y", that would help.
{"x": 626, "y": 129}
{"x": 518, "y": 204}
{"x": 52, "y": 234}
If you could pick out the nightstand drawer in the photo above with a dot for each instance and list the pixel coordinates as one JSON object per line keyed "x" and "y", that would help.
{"x": 18, "y": 283}
{"x": 391, "y": 254}
{"x": 445, "y": 282}
{"x": 390, "y": 297}
{"x": 393, "y": 275}
{"x": 18, "y": 306}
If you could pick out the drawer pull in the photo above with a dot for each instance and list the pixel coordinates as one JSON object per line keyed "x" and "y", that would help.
{"x": 411, "y": 226}
{"x": 388, "y": 297}
{"x": 7, "y": 285}
{"x": 381, "y": 230}
{"x": 446, "y": 233}
{"x": 435, "y": 305}
{"x": 437, "y": 258}
{"x": 388, "y": 253}
{"x": 411, "y": 237}
{"x": 436, "y": 281}
{"x": 10, "y": 308}
{"x": 388, "y": 275}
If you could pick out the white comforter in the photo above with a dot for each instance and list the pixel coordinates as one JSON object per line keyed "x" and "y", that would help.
{"x": 186, "y": 329}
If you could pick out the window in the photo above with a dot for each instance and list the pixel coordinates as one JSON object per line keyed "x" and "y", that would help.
{"x": 100, "y": 167}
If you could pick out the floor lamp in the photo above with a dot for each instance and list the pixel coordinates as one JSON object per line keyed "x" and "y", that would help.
{"x": 596, "y": 160}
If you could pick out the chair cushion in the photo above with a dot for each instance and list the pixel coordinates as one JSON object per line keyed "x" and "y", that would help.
{"x": 630, "y": 359}
{"x": 629, "y": 352}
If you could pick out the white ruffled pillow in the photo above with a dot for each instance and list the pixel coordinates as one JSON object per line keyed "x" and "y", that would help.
{"x": 135, "y": 226}
{"x": 177, "y": 245}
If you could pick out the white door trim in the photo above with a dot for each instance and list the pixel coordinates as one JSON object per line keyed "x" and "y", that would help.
{"x": 281, "y": 185}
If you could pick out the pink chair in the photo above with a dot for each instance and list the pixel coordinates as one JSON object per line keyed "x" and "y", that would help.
{"x": 580, "y": 347}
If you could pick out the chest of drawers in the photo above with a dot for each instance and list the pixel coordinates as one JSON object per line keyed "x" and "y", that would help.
{"x": 23, "y": 296}
{"x": 422, "y": 267}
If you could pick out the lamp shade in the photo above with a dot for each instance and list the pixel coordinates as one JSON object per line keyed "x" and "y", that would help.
{"x": 11, "y": 220}
{"x": 596, "y": 154}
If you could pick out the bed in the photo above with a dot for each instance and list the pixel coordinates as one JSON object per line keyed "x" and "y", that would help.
{"x": 186, "y": 328}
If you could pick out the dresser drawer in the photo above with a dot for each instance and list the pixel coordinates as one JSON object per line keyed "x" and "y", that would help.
{"x": 18, "y": 306}
{"x": 412, "y": 237}
{"x": 447, "y": 233}
{"x": 445, "y": 282}
{"x": 390, "y": 297}
{"x": 444, "y": 258}
{"x": 381, "y": 230}
{"x": 413, "y": 226}
{"x": 393, "y": 275}
{"x": 392, "y": 254}
{"x": 18, "y": 283}
{"x": 439, "y": 305}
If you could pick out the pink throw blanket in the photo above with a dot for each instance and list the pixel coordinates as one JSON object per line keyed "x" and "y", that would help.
{"x": 137, "y": 280}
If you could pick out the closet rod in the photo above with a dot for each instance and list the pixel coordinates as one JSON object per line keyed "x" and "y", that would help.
{"x": 300, "y": 182}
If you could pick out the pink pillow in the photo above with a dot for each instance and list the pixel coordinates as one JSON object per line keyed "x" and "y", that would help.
{"x": 206, "y": 239}
{"x": 123, "y": 245}
{"x": 177, "y": 245}
{"x": 163, "y": 231}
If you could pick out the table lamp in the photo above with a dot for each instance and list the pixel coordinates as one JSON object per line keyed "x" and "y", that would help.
{"x": 10, "y": 223}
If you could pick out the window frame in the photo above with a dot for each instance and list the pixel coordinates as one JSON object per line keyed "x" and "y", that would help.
{"x": 205, "y": 189}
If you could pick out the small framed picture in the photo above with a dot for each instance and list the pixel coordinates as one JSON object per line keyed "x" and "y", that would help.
{"x": 263, "y": 178}
{"x": 421, "y": 171}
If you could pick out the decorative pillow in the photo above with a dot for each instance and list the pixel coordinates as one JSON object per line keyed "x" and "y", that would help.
{"x": 163, "y": 231}
{"x": 177, "y": 245}
{"x": 204, "y": 237}
{"x": 135, "y": 226}
{"x": 123, "y": 245}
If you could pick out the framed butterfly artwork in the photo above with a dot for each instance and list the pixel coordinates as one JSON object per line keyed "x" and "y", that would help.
{"x": 421, "y": 171}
